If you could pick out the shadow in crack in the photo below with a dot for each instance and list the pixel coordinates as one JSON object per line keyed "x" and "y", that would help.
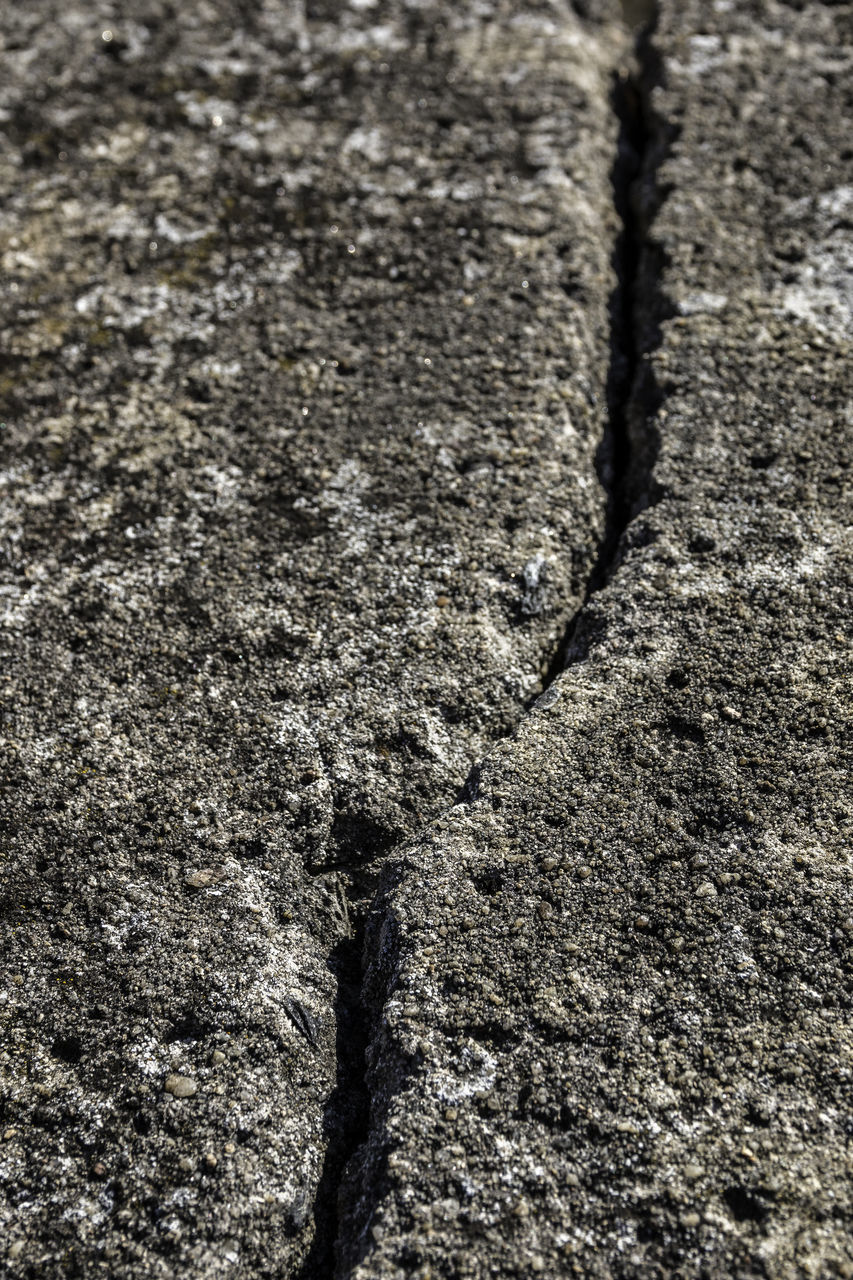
{"x": 346, "y": 1114}
{"x": 625, "y": 459}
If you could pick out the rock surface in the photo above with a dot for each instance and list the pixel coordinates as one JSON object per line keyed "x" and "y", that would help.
{"x": 311, "y": 450}
{"x": 306, "y": 354}
{"x": 612, "y": 993}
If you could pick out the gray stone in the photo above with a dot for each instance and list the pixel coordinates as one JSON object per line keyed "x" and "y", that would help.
{"x": 307, "y": 350}
{"x": 658, "y": 1063}
{"x": 315, "y": 442}
{"x": 181, "y": 1087}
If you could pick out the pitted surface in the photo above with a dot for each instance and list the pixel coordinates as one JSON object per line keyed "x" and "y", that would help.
{"x": 612, "y": 995}
{"x": 306, "y": 348}
{"x": 305, "y": 375}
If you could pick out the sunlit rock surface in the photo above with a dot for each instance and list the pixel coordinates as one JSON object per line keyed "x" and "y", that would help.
{"x": 612, "y": 993}
{"x": 306, "y": 352}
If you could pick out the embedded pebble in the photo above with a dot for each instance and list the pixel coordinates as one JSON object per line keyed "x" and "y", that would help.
{"x": 180, "y": 1086}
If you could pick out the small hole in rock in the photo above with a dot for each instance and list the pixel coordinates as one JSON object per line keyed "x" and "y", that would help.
{"x": 67, "y": 1049}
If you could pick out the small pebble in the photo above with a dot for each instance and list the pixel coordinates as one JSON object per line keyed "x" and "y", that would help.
{"x": 202, "y": 878}
{"x": 180, "y": 1086}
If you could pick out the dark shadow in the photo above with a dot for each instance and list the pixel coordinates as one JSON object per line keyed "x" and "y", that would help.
{"x": 346, "y": 1115}
{"x": 625, "y": 459}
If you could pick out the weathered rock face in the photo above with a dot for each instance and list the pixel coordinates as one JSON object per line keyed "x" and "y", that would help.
{"x": 306, "y": 361}
{"x": 306, "y": 371}
{"x": 613, "y": 992}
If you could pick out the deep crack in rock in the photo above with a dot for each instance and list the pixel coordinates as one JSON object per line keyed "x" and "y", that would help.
{"x": 626, "y": 456}
{"x": 307, "y": 371}
{"x": 623, "y": 957}
{"x": 624, "y": 462}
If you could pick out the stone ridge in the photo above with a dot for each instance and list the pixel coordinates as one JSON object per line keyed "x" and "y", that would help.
{"x": 612, "y": 994}
{"x": 306, "y": 353}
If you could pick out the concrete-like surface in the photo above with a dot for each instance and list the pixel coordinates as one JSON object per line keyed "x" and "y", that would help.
{"x": 612, "y": 994}
{"x": 306, "y": 347}
{"x": 317, "y": 437}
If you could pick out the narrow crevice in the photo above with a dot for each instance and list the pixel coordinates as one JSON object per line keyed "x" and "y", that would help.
{"x": 347, "y": 1111}
{"x": 624, "y": 462}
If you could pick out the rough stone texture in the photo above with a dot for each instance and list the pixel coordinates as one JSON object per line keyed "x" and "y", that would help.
{"x": 613, "y": 992}
{"x": 305, "y": 353}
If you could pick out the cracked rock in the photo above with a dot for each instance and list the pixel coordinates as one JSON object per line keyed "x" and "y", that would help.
{"x": 615, "y": 983}
{"x": 306, "y": 348}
